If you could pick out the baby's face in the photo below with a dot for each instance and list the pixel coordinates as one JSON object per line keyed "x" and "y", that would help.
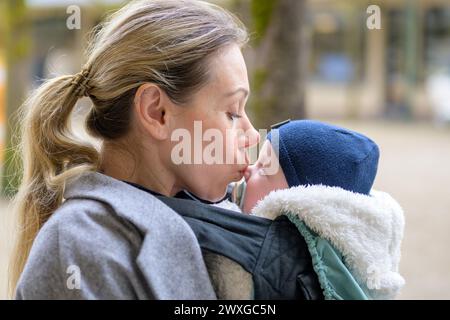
{"x": 263, "y": 177}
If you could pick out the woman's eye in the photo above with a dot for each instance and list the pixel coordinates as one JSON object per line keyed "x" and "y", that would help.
{"x": 233, "y": 116}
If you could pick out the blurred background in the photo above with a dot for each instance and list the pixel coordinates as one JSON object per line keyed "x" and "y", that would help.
{"x": 318, "y": 59}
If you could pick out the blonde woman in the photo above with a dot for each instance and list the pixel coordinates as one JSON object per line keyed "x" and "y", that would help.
{"x": 153, "y": 67}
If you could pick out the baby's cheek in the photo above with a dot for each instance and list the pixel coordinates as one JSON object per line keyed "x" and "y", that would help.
{"x": 257, "y": 188}
{"x": 250, "y": 198}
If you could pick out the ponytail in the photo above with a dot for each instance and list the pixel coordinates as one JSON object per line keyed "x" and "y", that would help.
{"x": 51, "y": 154}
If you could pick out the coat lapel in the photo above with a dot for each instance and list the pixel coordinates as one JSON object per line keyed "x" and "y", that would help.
{"x": 170, "y": 257}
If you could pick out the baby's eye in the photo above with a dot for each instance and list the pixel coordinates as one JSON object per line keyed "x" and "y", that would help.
{"x": 262, "y": 171}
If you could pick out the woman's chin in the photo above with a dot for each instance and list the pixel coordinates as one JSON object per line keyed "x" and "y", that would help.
{"x": 220, "y": 190}
{"x": 212, "y": 195}
{"x": 238, "y": 176}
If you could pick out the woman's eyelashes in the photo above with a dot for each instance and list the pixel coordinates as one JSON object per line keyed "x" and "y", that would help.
{"x": 233, "y": 116}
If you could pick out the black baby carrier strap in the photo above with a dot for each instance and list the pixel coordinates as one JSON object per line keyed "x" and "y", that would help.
{"x": 272, "y": 251}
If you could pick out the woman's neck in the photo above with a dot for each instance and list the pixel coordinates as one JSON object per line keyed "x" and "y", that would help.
{"x": 122, "y": 164}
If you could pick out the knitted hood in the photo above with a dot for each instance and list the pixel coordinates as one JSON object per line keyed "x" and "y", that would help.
{"x": 367, "y": 230}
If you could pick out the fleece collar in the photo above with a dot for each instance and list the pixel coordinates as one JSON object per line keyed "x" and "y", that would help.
{"x": 367, "y": 230}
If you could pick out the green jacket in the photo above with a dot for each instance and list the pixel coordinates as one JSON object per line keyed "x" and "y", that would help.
{"x": 336, "y": 280}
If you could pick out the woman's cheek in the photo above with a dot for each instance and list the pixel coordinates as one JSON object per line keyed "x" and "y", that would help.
{"x": 235, "y": 141}
{"x": 231, "y": 155}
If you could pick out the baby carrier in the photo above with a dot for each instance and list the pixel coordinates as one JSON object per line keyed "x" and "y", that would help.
{"x": 272, "y": 251}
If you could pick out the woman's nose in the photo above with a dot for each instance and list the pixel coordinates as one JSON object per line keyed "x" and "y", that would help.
{"x": 251, "y": 137}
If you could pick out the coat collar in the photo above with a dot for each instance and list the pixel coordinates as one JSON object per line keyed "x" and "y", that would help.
{"x": 161, "y": 227}
{"x": 128, "y": 202}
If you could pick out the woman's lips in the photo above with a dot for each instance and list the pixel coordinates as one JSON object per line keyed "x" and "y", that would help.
{"x": 247, "y": 174}
{"x": 243, "y": 172}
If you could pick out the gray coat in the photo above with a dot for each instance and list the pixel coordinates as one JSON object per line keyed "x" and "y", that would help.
{"x": 109, "y": 240}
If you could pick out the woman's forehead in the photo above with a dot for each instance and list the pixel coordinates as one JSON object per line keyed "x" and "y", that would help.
{"x": 229, "y": 72}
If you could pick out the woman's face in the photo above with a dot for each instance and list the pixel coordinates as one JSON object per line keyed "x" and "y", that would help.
{"x": 215, "y": 131}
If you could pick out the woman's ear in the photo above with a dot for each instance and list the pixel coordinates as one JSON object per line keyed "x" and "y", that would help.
{"x": 149, "y": 103}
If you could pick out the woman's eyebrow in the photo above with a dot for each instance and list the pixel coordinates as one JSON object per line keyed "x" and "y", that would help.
{"x": 243, "y": 90}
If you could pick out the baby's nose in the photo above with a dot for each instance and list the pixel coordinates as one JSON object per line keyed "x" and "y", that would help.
{"x": 248, "y": 173}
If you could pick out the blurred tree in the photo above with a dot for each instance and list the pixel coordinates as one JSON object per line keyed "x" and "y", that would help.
{"x": 15, "y": 33}
{"x": 277, "y": 61}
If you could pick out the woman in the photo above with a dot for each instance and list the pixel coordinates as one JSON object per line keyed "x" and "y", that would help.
{"x": 153, "y": 67}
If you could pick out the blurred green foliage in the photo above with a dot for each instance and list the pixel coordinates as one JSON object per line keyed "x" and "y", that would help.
{"x": 262, "y": 12}
{"x": 257, "y": 103}
{"x": 14, "y": 24}
{"x": 17, "y": 42}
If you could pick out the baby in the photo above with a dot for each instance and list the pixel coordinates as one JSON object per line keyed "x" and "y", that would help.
{"x": 309, "y": 153}
{"x": 320, "y": 176}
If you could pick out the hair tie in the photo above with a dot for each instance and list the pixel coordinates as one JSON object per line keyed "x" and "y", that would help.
{"x": 80, "y": 80}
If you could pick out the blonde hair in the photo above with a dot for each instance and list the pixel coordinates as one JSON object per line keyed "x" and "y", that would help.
{"x": 166, "y": 42}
